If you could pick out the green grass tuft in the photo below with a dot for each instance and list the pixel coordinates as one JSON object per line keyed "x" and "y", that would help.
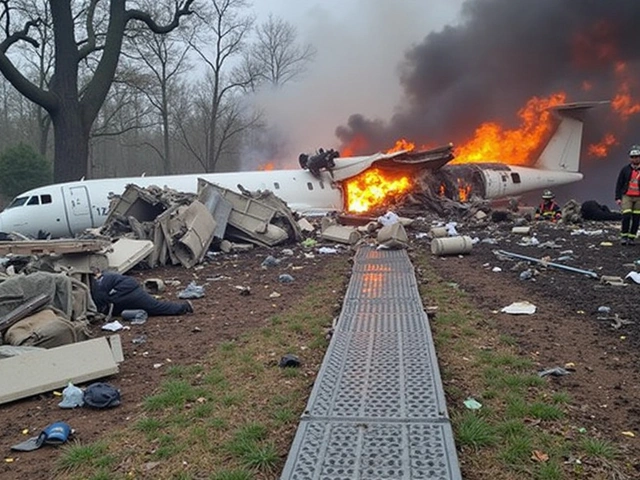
{"x": 173, "y": 394}
{"x": 77, "y": 455}
{"x": 472, "y": 430}
{"x": 594, "y": 447}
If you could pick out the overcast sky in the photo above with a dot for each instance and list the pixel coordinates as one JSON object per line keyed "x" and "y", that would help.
{"x": 360, "y": 45}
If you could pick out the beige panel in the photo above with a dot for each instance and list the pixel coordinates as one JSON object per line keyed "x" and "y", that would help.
{"x": 36, "y": 372}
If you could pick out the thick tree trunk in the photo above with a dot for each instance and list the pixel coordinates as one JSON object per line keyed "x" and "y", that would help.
{"x": 73, "y": 114}
{"x": 71, "y": 147}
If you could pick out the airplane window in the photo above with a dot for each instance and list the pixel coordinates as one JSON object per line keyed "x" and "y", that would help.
{"x": 35, "y": 200}
{"x": 18, "y": 202}
{"x": 276, "y": 185}
{"x": 321, "y": 184}
{"x": 310, "y": 185}
{"x": 515, "y": 177}
{"x": 45, "y": 199}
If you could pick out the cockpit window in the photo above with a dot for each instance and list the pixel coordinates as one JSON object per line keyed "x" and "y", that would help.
{"x": 46, "y": 198}
{"x": 18, "y": 202}
{"x": 35, "y": 200}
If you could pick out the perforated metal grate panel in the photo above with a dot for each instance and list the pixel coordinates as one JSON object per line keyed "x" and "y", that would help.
{"x": 381, "y": 375}
{"x": 389, "y": 285}
{"x": 402, "y": 316}
{"x": 377, "y": 409}
{"x": 330, "y": 450}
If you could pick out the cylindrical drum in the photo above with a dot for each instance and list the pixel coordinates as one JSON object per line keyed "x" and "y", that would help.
{"x": 451, "y": 245}
{"x": 438, "y": 232}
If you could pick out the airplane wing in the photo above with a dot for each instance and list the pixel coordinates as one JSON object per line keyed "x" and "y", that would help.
{"x": 431, "y": 159}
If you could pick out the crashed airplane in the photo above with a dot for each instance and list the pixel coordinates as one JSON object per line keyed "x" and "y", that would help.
{"x": 62, "y": 210}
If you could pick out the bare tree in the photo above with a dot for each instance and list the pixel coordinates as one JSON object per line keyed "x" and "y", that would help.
{"x": 37, "y": 65}
{"x": 221, "y": 42}
{"x": 73, "y": 107}
{"x": 234, "y": 118}
{"x": 154, "y": 66}
{"x": 275, "y": 57}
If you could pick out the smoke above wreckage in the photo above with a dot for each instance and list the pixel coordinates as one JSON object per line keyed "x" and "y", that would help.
{"x": 486, "y": 85}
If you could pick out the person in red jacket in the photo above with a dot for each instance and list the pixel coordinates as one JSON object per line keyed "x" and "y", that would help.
{"x": 628, "y": 196}
{"x": 548, "y": 208}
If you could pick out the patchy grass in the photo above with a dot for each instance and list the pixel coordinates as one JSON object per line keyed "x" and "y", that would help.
{"x": 230, "y": 416}
{"x": 521, "y": 429}
{"x": 77, "y": 456}
{"x": 233, "y": 415}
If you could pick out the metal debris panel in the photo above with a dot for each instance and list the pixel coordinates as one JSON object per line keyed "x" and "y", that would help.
{"x": 377, "y": 409}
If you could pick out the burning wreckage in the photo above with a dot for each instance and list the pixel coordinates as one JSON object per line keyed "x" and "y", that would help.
{"x": 46, "y": 306}
{"x": 169, "y": 227}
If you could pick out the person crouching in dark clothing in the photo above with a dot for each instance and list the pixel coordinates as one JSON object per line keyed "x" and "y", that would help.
{"x": 548, "y": 209}
{"x": 125, "y": 293}
{"x": 628, "y": 196}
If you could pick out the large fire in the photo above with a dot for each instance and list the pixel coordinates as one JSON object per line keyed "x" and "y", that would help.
{"x": 372, "y": 187}
{"x": 493, "y": 143}
{"x": 490, "y": 143}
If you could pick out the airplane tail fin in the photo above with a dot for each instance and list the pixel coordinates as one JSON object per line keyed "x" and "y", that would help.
{"x": 562, "y": 153}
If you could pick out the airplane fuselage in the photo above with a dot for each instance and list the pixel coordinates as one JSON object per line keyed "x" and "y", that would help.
{"x": 65, "y": 209}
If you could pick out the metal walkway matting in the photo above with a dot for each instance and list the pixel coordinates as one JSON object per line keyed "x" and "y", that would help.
{"x": 377, "y": 409}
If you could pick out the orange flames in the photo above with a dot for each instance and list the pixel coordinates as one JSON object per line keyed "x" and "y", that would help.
{"x": 595, "y": 47}
{"x": 372, "y": 187}
{"x": 601, "y": 148}
{"x": 357, "y": 144}
{"x": 401, "y": 145}
{"x": 623, "y": 103}
{"x": 464, "y": 189}
{"x": 493, "y": 143}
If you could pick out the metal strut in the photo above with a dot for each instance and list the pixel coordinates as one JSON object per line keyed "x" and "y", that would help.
{"x": 589, "y": 273}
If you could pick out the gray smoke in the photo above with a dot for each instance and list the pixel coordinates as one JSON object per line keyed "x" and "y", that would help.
{"x": 502, "y": 53}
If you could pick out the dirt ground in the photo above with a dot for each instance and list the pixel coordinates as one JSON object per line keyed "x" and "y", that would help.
{"x": 578, "y": 318}
{"x": 566, "y": 327}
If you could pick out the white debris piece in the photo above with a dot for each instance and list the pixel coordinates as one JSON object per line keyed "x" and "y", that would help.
{"x": 520, "y": 308}
{"x": 635, "y": 276}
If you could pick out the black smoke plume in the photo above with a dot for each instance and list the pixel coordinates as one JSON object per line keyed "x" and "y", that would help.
{"x": 501, "y": 54}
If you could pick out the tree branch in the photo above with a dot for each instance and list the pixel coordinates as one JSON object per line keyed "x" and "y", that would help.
{"x": 153, "y": 26}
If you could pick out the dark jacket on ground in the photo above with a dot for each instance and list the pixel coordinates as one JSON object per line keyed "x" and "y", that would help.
{"x": 126, "y": 294}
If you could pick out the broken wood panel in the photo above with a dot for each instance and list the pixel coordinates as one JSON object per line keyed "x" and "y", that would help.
{"x": 42, "y": 371}
{"x": 49, "y": 247}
